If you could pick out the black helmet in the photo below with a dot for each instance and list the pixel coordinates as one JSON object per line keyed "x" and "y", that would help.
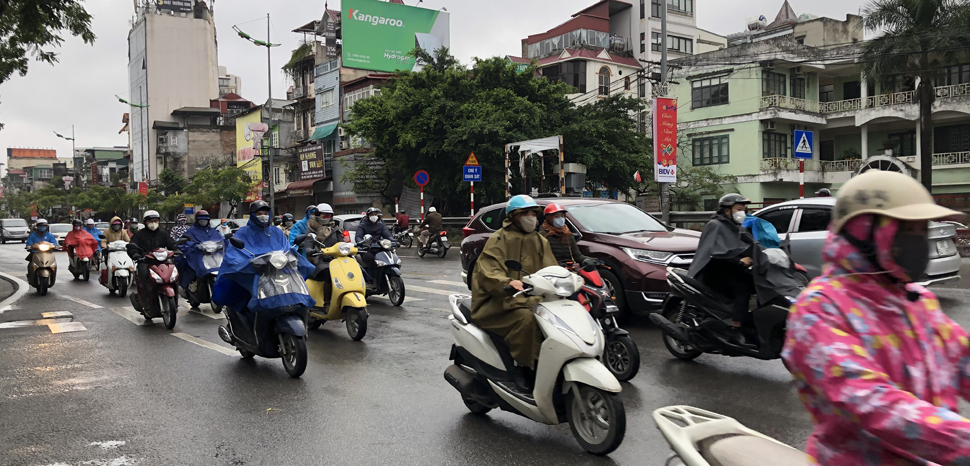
{"x": 77, "y": 222}
{"x": 311, "y": 209}
{"x": 824, "y": 192}
{"x": 257, "y": 206}
{"x": 730, "y": 200}
{"x": 374, "y": 210}
{"x": 278, "y": 220}
{"x": 287, "y": 217}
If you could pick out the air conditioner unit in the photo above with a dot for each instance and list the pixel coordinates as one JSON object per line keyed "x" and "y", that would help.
{"x": 796, "y": 71}
{"x": 769, "y": 125}
{"x": 344, "y": 145}
{"x": 340, "y": 131}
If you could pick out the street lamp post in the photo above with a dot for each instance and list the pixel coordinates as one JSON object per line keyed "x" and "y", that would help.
{"x": 73, "y": 152}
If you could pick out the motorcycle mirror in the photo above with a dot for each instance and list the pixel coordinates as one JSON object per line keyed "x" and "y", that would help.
{"x": 513, "y": 264}
{"x": 589, "y": 267}
{"x": 228, "y": 236}
{"x": 182, "y": 241}
{"x": 237, "y": 243}
{"x": 300, "y": 239}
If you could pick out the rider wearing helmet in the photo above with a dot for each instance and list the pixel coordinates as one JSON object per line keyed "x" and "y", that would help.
{"x": 402, "y": 222}
{"x": 492, "y": 307}
{"x": 561, "y": 239}
{"x": 152, "y": 237}
{"x": 278, "y": 221}
{"x": 723, "y": 257}
{"x": 432, "y": 224}
{"x": 824, "y": 192}
{"x": 371, "y": 225}
{"x": 181, "y": 226}
{"x": 40, "y": 233}
{"x": 115, "y": 232}
{"x": 288, "y": 222}
{"x": 300, "y": 228}
{"x": 877, "y": 364}
{"x": 324, "y": 227}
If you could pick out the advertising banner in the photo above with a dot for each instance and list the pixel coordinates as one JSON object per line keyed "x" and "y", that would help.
{"x": 378, "y": 35}
{"x": 183, "y": 6}
{"x": 311, "y": 162}
{"x": 665, "y": 140}
{"x": 249, "y": 137}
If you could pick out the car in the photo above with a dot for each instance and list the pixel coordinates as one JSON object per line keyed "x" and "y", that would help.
{"x": 237, "y": 223}
{"x": 805, "y": 222}
{"x": 102, "y": 226}
{"x": 636, "y": 247}
{"x": 14, "y": 229}
{"x": 348, "y": 222}
{"x": 60, "y": 231}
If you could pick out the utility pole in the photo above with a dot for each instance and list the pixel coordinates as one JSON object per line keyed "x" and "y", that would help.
{"x": 664, "y": 187}
{"x": 269, "y": 87}
{"x": 74, "y": 156}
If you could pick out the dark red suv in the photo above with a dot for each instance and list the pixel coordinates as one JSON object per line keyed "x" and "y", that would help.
{"x": 636, "y": 247}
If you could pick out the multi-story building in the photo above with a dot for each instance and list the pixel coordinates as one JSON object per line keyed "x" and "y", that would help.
{"x": 105, "y": 166}
{"x": 30, "y": 169}
{"x": 739, "y": 107}
{"x": 229, "y": 83}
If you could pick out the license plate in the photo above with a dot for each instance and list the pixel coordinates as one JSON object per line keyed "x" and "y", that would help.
{"x": 943, "y": 248}
{"x": 444, "y": 238}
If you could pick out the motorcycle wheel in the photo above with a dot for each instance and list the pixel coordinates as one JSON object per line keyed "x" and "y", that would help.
{"x": 86, "y": 273}
{"x": 676, "y": 348}
{"x": 42, "y": 286}
{"x": 596, "y": 418}
{"x": 294, "y": 355}
{"x": 167, "y": 306}
{"x": 422, "y": 251}
{"x": 474, "y": 406}
{"x": 442, "y": 250}
{"x": 615, "y": 286}
{"x": 122, "y": 287}
{"x": 408, "y": 241}
{"x": 395, "y": 290}
{"x": 356, "y": 321}
{"x": 622, "y": 357}
{"x": 246, "y": 354}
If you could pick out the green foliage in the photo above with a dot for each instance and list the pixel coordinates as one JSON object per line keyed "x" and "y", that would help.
{"x": 18, "y": 204}
{"x": 210, "y": 186}
{"x": 300, "y": 53}
{"x": 107, "y": 202}
{"x": 171, "y": 182}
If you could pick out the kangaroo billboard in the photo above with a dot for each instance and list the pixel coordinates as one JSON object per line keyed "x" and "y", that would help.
{"x": 378, "y": 36}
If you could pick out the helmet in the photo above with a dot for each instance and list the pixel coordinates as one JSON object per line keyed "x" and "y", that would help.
{"x": 553, "y": 208}
{"x": 824, "y": 192}
{"x": 521, "y": 202}
{"x": 730, "y": 200}
{"x": 278, "y": 220}
{"x": 890, "y": 194}
{"x": 40, "y": 222}
{"x": 288, "y": 217}
{"x": 257, "y": 206}
{"x": 202, "y": 214}
{"x": 324, "y": 208}
{"x": 311, "y": 209}
{"x": 77, "y": 222}
{"x": 432, "y": 209}
{"x": 402, "y": 212}
{"x": 378, "y": 212}
{"x": 180, "y": 217}
{"x": 150, "y": 215}
{"x": 90, "y": 221}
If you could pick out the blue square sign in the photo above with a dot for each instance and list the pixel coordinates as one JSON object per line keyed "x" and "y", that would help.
{"x": 803, "y": 144}
{"x": 471, "y": 173}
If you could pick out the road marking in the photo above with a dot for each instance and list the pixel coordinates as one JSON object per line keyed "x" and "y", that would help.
{"x": 66, "y": 327}
{"x": 205, "y": 344}
{"x": 21, "y": 286}
{"x": 53, "y": 315}
{"x": 130, "y": 315}
{"x": 110, "y": 444}
{"x": 431, "y": 290}
{"x": 407, "y": 299}
{"x": 446, "y": 282}
{"x": 83, "y": 302}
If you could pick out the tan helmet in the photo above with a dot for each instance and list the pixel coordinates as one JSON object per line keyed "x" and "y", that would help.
{"x": 885, "y": 193}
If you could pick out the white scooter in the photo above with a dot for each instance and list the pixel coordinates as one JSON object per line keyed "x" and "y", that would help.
{"x": 571, "y": 385}
{"x": 117, "y": 275}
{"x": 702, "y": 438}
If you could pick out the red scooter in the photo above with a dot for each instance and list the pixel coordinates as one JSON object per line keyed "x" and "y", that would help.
{"x": 620, "y": 354}
{"x": 158, "y": 297}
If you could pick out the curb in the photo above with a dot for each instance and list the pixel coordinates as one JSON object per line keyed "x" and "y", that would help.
{"x": 20, "y": 288}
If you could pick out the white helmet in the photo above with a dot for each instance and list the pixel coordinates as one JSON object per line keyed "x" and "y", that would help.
{"x": 432, "y": 209}
{"x": 151, "y": 214}
{"x": 324, "y": 208}
{"x": 90, "y": 221}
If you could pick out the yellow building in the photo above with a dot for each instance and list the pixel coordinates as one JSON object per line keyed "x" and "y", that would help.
{"x": 249, "y": 140}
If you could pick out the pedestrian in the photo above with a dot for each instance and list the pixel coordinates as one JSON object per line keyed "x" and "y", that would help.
{"x": 876, "y": 362}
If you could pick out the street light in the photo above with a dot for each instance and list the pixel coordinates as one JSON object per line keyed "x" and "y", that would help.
{"x": 73, "y": 150}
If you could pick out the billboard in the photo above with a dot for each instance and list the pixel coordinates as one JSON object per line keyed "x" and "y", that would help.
{"x": 183, "y": 6}
{"x": 377, "y": 35}
{"x": 249, "y": 137}
{"x": 665, "y": 140}
{"x": 311, "y": 162}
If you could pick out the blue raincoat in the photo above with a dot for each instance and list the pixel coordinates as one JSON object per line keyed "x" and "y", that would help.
{"x": 191, "y": 265}
{"x": 95, "y": 233}
{"x": 299, "y": 228}
{"x": 36, "y": 237}
{"x": 238, "y": 280}
{"x": 763, "y": 231}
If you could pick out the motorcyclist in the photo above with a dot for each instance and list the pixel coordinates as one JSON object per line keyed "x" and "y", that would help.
{"x": 200, "y": 232}
{"x": 96, "y": 234}
{"x": 288, "y": 222}
{"x": 323, "y": 226}
{"x": 278, "y": 221}
{"x": 402, "y": 222}
{"x": 561, "y": 239}
{"x": 145, "y": 241}
{"x": 492, "y": 307}
{"x": 300, "y": 228}
{"x": 876, "y": 362}
{"x": 132, "y": 227}
{"x": 181, "y": 226}
{"x": 377, "y": 229}
{"x": 723, "y": 257}
{"x": 431, "y": 225}
{"x": 223, "y": 227}
{"x": 78, "y": 241}
{"x": 40, "y": 234}
{"x": 115, "y": 232}
{"x": 824, "y": 192}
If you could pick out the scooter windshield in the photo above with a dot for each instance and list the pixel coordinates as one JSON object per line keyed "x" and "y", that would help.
{"x": 212, "y": 259}
{"x": 278, "y": 275}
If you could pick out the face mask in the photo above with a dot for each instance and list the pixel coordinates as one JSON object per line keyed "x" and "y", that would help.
{"x": 42, "y": 229}
{"x": 116, "y": 227}
{"x": 559, "y": 222}
{"x": 77, "y": 228}
{"x": 134, "y": 228}
{"x": 739, "y": 217}
{"x": 152, "y": 226}
{"x": 263, "y": 218}
{"x": 288, "y": 223}
{"x": 373, "y": 218}
{"x": 224, "y": 223}
{"x": 912, "y": 254}
{"x": 203, "y": 223}
{"x": 528, "y": 224}
{"x": 181, "y": 222}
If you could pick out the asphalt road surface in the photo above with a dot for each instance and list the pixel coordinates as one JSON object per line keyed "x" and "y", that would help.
{"x": 92, "y": 384}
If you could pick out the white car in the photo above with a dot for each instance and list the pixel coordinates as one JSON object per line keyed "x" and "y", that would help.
{"x": 60, "y": 231}
{"x": 348, "y": 222}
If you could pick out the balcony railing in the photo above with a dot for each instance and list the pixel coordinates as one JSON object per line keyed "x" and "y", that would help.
{"x": 840, "y": 165}
{"x": 955, "y": 90}
{"x": 886, "y": 100}
{"x": 951, "y": 158}
{"x": 840, "y": 106}
{"x": 785, "y": 163}
{"x": 792, "y": 103}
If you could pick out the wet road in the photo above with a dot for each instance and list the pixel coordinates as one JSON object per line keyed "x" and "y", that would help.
{"x": 116, "y": 391}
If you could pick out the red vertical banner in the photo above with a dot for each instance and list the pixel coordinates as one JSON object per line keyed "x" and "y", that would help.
{"x": 665, "y": 140}
{"x": 143, "y": 188}
{"x": 94, "y": 173}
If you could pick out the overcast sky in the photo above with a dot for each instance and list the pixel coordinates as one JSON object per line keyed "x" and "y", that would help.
{"x": 80, "y": 89}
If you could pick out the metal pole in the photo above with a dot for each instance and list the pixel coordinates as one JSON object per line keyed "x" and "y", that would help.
{"x": 422, "y": 203}
{"x": 507, "y": 185}
{"x": 146, "y": 173}
{"x": 562, "y": 169}
{"x": 74, "y": 157}
{"x": 473, "y": 198}
{"x": 269, "y": 85}
{"x": 664, "y": 187}
{"x": 801, "y": 178}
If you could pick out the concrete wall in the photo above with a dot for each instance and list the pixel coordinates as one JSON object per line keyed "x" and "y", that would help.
{"x": 823, "y": 32}
{"x": 205, "y": 148}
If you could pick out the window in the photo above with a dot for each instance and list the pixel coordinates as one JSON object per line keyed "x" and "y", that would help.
{"x": 826, "y": 93}
{"x": 45, "y": 173}
{"x": 710, "y": 204}
{"x": 774, "y": 145}
{"x": 493, "y": 218}
{"x": 711, "y": 151}
{"x": 814, "y": 219}
{"x": 626, "y": 83}
{"x": 642, "y": 87}
{"x": 326, "y": 99}
{"x": 951, "y": 139}
{"x": 709, "y": 92}
{"x": 953, "y": 75}
{"x": 779, "y": 218}
{"x": 572, "y": 73}
{"x": 655, "y": 6}
{"x": 679, "y": 6}
{"x": 674, "y": 44}
{"x": 772, "y": 83}
{"x": 826, "y": 150}
{"x": 604, "y": 81}
{"x": 643, "y": 42}
{"x": 614, "y": 218}
{"x": 643, "y": 10}
{"x": 904, "y": 144}
{"x": 798, "y": 88}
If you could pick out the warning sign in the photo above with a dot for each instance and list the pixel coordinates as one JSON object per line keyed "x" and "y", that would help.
{"x": 803, "y": 144}
{"x": 472, "y": 160}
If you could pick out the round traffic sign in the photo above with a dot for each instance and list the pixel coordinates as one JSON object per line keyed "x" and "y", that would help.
{"x": 421, "y": 178}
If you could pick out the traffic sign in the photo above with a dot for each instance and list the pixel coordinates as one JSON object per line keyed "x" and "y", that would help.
{"x": 803, "y": 144}
{"x": 421, "y": 178}
{"x": 471, "y": 173}
{"x": 472, "y": 160}
{"x": 189, "y": 209}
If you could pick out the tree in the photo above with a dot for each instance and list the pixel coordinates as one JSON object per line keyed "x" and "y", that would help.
{"x": 920, "y": 37}
{"x": 18, "y": 204}
{"x": 170, "y": 182}
{"x": 210, "y": 187}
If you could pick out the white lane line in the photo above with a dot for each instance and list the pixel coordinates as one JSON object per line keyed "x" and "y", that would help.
{"x": 446, "y": 282}
{"x": 108, "y": 445}
{"x": 205, "y": 344}
{"x": 407, "y": 299}
{"x": 55, "y": 314}
{"x": 130, "y": 315}
{"x": 66, "y": 327}
{"x": 83, "y": 302}
{"x": 22, "y": 288}
{"x": 431, "y": 290}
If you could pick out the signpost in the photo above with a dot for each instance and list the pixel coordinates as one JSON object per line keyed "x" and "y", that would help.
{"x": 471, "y": 173}
{"x": 189, "y": 209}
{"x": 421, "y": 178}
{"x": 803, "y": 150}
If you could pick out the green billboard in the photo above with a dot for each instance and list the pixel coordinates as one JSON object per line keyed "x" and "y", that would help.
{"x": 378, "y": 35}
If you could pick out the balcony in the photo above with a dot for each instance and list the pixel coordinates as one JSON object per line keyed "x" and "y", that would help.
{"x": 850, "y": 165}
{"x": 786, "y": 163}
{"x": 951, "y": 158}
{"x": 840, "y": 106}
{"x": 791, "y": 103}
{"x": 956, "y": 90}
{"x": 882, "y": 100}
{"x": 886, "y": 100}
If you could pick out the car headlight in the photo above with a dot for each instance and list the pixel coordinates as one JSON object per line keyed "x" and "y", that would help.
{"x": 344, "y": 249}
{"x": 278, "y": 261}
{"x": 386, "y": 243}
{"x": 653, "y": 257}
{"x": 565, "y": 286}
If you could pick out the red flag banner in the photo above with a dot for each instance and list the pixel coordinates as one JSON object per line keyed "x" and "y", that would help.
{"x": 665, "y": 140}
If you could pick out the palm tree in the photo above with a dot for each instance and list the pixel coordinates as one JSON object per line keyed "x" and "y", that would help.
{"x": 919, "y": 38}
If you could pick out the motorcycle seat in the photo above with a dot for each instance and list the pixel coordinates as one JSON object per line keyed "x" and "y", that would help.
{"x": 748, "y": 450}
{"x": 465, "y": 307}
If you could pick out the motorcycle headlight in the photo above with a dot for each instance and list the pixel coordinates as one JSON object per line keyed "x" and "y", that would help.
{"x": 386, "y": 243}
{"x": 278, "y": 261}
{"x": 155, "y": 276}
{"x": 380, "y": 263}
{"x": 44, "y": 247}
{"x": 653, "y": 257}
{"x": 565, "y": 286}
{"x": 175, "y": 275}
{"x": 344, "y": 249}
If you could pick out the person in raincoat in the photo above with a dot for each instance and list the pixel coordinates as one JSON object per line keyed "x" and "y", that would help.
{"x": 40, "y": 234}
{"x": 115, "y": 232}
{"x": 493, "y": 308}
{"x": 96, "y": 234}
{"x": 191, "y": 263}
{"x": 79, "y": 242}
{"x": 300, "y": 228}
{"x": 287, "y": 223}
{"x": 877, "y": 364}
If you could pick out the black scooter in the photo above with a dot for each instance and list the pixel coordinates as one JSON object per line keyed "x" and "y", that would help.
{"x": 386, "y": 279}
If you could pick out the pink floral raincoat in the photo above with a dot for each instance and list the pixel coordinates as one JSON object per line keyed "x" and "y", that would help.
{"x": 876, "y": 363}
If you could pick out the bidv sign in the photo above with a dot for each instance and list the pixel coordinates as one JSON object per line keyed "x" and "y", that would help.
{"x": 665, "y": 140}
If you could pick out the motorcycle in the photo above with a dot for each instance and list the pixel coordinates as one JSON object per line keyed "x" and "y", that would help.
{"x": 387, "y": 279}
{"x": 437, "y": 244}
{"x": 695, "y": 318}
{"x": 620, "y": 354}
{"x": 117, "y": 275}
{"x": 405, "y": 238}
{"x": 80, "y": 263}
{"x": 571, "y": 385}
{"x": 275, "y": 332}
{"x": 42, "y": 268}
{"x": 157, "y": 298}
{"x": 200, "y": 290}
{"x": 336, "y": 298}
{"x": 702, "y": 438}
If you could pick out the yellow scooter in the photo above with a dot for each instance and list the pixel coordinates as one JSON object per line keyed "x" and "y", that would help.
{"x": 338, "y": 291}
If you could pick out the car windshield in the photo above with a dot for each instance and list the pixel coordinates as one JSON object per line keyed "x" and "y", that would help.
{"x": 60, "y": 228}
{"x": 15, "y": 222}
{"x": 614, "y": 219}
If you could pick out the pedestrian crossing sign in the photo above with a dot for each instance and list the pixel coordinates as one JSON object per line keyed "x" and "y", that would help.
{"x": 803, "y": 144}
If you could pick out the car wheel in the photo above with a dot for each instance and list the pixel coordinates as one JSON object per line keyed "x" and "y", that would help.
{"x": 616, "y": 290}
